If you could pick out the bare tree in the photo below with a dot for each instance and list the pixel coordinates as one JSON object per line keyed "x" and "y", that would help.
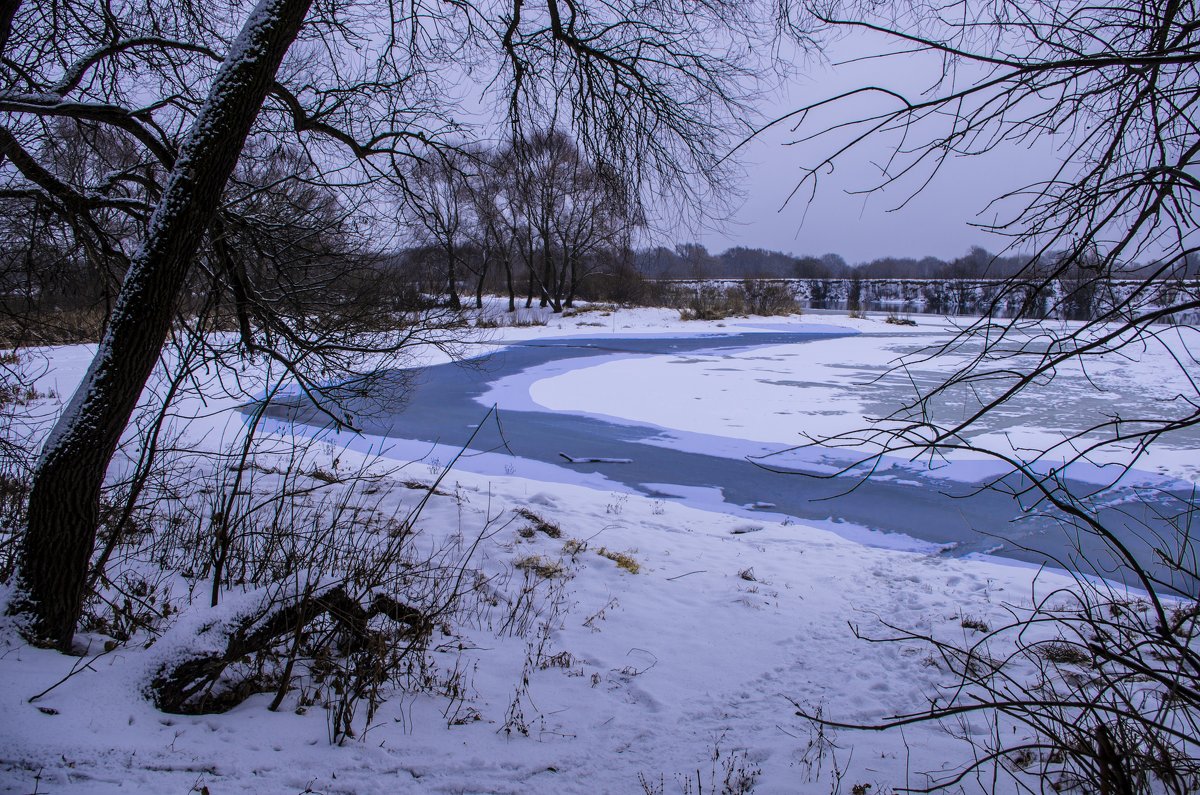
{"x": 598, "y": 214}
{"x": 650, "y": 87}
{"x": 487, "y": 231}
{"x": 64, "y": 500}
{"x": 538, "y": 172}
{"x": 439, "y": 206}
{"x": 1094, "y": 687}
{"x": 564, "y": 207}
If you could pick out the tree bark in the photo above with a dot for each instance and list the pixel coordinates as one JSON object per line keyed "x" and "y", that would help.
{"x": 64, "y": 500}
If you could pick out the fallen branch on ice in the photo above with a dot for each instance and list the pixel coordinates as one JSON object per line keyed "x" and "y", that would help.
{"x": 590, "y": 460}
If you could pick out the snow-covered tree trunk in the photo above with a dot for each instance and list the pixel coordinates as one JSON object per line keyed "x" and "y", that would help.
{"x": 64, "y": 501}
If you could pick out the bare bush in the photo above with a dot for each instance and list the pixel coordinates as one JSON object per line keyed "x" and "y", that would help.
{"x": 1089, "y": 689}
{"x": 716, "y": 300}
{"x": 323, "y": 598}
{"x": 769, "y": 297}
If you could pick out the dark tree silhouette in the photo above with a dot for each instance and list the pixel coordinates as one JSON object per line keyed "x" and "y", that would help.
{"x": 1095, "y": 687}
{"x": 188, "y": 90}
{"x": 64, "y": 500}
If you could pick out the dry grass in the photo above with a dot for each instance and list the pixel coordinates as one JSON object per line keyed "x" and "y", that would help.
{"x": 624, "y": 560}
{"x": 542, "y": 567}
{"x": 51, "y": 327}
{"x": 538, "y": 523}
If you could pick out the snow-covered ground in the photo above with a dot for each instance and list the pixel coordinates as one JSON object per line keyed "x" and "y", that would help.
{"x": 679, "y": 677}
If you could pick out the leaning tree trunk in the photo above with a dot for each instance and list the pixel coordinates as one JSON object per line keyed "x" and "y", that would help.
{"x": 64, "y": 500}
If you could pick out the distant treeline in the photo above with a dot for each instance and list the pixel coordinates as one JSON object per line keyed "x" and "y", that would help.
{"x": 649, "y": 276}
{"x": 51, "y": 292}
{"x": 693, "y": 261}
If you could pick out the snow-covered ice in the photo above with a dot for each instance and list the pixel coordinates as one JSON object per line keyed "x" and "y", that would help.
{"x": 681, "y": 672}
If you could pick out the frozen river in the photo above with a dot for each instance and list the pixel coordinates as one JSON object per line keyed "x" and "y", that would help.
{"x": 904, "y": 507}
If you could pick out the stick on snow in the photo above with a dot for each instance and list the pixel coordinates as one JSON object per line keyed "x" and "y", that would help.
{"x": 591, "y": 460}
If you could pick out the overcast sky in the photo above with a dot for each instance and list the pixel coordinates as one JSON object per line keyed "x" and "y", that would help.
{"x": 862, "y": 227}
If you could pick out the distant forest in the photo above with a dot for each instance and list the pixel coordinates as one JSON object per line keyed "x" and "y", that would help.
{"x": 53, "y": 294}
{"x": 693, "y": 261}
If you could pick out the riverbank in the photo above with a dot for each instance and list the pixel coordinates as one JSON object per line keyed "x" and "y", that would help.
{"x": 661, "y": 647}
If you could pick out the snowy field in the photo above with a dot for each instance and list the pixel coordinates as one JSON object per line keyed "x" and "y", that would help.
{"x": 677, "y": 672}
